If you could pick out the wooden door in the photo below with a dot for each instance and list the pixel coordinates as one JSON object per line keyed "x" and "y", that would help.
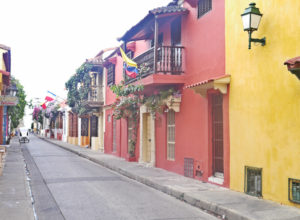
{"x": 147, "y": 138}
{"x": 217, "y": 134}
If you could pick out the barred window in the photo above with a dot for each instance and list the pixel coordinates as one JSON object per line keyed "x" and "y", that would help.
{"x": 294, "y": 190}
{"x": 111, "y": 75}
{"x": 204, "y": 6}
{"x": 171, "y": 135}
{"x": 253, "y": 181}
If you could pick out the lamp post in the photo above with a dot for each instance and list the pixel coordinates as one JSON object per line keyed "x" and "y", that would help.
{"x": 251, "y": 19}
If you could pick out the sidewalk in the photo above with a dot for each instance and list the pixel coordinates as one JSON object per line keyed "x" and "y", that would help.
{"x": 218, "y": 200}
{"x": 15, "y": 200}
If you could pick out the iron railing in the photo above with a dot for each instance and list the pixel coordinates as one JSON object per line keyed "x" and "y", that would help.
{"x": 169, "y": 60}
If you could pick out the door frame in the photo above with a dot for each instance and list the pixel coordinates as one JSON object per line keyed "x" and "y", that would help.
{"x": 143, "y": 110}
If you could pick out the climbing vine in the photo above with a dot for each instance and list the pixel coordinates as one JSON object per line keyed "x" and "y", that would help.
{"x": 127, "y": 106}
{"x": 128, "y": 102}
{"x": 78, "y": 87}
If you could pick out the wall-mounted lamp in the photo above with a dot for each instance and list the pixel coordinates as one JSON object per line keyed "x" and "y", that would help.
{"x": 251, "y": 19}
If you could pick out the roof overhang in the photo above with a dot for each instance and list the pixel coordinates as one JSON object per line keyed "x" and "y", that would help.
{"x": 144, "y": 29}
{"x": 218, "y": 83}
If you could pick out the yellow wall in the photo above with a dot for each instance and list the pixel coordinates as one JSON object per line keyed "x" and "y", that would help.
{"x": 264, "y": 96}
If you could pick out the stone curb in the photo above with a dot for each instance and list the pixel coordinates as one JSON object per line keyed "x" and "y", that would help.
{"x": 207, "y": 206}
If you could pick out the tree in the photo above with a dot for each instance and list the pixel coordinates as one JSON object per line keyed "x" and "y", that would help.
{"x": 16, "y": 113}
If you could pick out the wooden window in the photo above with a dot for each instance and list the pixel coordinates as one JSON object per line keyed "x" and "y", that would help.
{"x": 94, "y": 126}
{"x": 171, "y": 135}
{"x": 111, "y": 75}
{"x": 294, "y": 190}
{"x": 204, "y": 6}
{"x": 114, "y": 135}
{"x": 253, "y": 181}
{"x": 85, "y": 127}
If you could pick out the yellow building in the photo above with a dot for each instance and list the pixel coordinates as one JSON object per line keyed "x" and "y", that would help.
{"x": 264, "y": 102}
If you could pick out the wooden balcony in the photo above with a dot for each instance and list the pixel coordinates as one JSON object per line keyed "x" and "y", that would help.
{"x": 168, "y": 61}
{"x": 95, "y": 97}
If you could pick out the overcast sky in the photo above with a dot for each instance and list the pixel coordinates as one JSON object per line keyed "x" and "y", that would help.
{"x": 50, "y": 39}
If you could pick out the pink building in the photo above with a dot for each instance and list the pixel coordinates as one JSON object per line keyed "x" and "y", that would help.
{"x": 183, "y": 47}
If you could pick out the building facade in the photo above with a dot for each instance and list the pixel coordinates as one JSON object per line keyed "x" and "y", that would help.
{"x": 5, "y": 69}
{"x": 264, "y": 102}
{"x": 174, "y": 43}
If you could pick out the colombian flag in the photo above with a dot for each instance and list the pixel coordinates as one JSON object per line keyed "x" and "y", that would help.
{"x": 129, "y": 65}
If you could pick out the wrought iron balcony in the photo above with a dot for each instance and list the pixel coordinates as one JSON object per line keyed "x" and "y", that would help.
{"x": 168, "y": 59}
{"x": 95, "y": 97}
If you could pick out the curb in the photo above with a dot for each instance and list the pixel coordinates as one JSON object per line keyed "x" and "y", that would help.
{"x": 209, "y": 207}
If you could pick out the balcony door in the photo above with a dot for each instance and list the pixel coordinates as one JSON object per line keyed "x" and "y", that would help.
{"x": 175, "y": 56}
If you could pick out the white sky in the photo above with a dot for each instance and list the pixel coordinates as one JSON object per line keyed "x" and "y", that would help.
{"x": 50, "y": 39}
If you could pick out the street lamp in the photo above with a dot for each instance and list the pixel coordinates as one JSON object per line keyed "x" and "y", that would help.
{"x": 251, "y": 19}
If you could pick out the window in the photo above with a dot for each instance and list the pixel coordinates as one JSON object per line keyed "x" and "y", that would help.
{"x": 204, "y": 6}
{"x": 114, "y": 135}
{"x": 111, "y": 75}
{"x": 294, "y": 190}
{"x": 253, "y": 181}
{"x": 171, "y": 135}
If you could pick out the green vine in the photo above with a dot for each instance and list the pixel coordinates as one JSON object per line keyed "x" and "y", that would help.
{"x": 155, "y": 103}
{"x": 128, "y": 102}
{"x": 78, "y": 87}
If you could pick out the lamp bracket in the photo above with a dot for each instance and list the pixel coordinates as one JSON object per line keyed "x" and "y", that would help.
{"x": 256, "y": 40}
{"x": 262, "y": 40}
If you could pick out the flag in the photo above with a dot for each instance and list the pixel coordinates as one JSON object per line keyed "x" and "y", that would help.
{"x": 129, "y": 65}
{"x": 50, "y": 96}
{"x": 44, "y": 105}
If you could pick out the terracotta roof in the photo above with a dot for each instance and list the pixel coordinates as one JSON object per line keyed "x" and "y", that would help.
{"x": 167, "y": 10}
{"x": 143, "y": 28}
{"x": 95, "y": 61}
{"x": 206, "y": 81}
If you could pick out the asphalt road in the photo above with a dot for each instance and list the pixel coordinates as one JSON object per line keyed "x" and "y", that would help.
{"x": 66, "y": 186}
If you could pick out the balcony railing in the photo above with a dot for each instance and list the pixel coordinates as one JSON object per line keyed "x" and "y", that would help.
{"x": 95, "y": 97}
{"x": 168, "y": 61}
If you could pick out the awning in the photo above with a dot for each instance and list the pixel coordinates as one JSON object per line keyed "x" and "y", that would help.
{"x": 218, "y": 83}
